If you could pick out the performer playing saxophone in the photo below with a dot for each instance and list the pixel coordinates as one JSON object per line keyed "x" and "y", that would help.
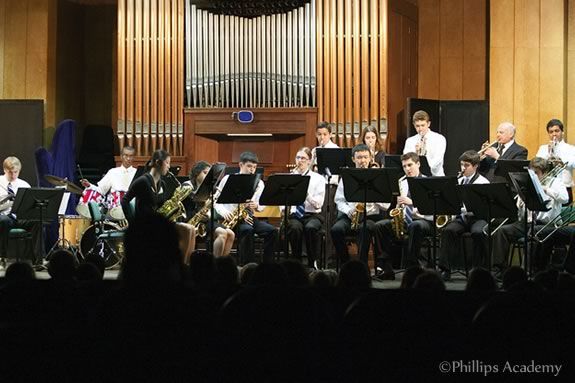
{"x": 418, "y": 226}
{"x": 347, "y": 212}
{"x": 148, "y": 190}
{"x": 223, "y": 238}
{"x": 465, "y": 222}
{"x": 246, "y": 228}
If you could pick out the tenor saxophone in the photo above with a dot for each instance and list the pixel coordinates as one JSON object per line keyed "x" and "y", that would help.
{"x": 173, "y": 208}
{"x": 242, "y": 213}
{"x": 356, "y": 216}
{"x": 398, "y": 217}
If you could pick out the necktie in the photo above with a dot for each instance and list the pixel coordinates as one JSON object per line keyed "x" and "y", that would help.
{"x": 500, "y": 149}
{"x": 408, "y": 212}
{"x": 300, "y": 211}
{"x": 10, "y": 189}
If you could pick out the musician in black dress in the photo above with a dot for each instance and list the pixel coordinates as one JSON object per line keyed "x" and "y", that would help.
{"x": 148, "y": 190}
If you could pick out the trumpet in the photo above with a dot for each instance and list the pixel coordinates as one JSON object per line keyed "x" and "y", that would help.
{"x": 422, "y": 148}
{"x": 486, "y": 145}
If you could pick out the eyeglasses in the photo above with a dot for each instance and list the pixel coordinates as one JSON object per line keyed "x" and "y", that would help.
{"x": 301, "y": 158}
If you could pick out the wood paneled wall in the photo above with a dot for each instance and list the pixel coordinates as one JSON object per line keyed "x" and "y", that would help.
{"x": 452, "y": 49}
{"x": 27, "y": 51}
{"x": 570, "y": 108}
{"x": 151, "y": 75}
{"x": 351, "y": 54}
{"x": 528, "y": 67}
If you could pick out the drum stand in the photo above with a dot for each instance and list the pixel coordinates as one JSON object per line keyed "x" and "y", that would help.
{"x": 63, "y": 243}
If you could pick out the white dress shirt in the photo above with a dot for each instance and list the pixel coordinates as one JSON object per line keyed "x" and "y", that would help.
{"x": 117, "y": 179}
{"x": 315, "y": 194}
{"x": 6, "y": 208}
{"x": 478, "y": 181}
{"x": 435, "y": 147}
{"x": 227, "y": 208}
{"x": 349, "y": 207}
{"x": 566, "y": 153}
{"x": 330, "y": 145}
{"x": 404, "y": 191}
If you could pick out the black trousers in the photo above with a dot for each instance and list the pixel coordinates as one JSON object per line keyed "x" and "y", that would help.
{"x": 342, "y": 227}
{"x": 308, "y": 227}
{"x": 416, "y": 232}
{"x": 562, "y": 237}
{"x": 450, "y": 248}
{"x": 246, "y": 240}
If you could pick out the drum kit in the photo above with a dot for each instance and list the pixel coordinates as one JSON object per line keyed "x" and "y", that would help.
{"x": 77, "y": 232}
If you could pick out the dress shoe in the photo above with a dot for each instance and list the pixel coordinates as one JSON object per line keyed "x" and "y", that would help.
{"x": 446, "y": 275}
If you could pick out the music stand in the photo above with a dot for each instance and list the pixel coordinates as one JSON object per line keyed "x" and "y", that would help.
{"x": 239, "y": 188}
{"x": 206, "y": 190}
{"x": 529, "y": 190}
{"x": 435, "y": 196}
{"x": 38, "y": 205}
{"x": 504, "y": 167}
{"x": 236, "y": 170}
{"x": 394, "y": 161}
{"x": 333, "y": 159}
{"x": 285, "y": 190}
{"x": 488, "y": 201}
{"x": 369, "y": 185}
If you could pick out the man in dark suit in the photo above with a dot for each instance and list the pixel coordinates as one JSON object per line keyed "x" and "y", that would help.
{"x": 505, "y": 148}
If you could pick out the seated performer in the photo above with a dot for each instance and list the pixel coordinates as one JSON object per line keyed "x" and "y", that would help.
{"x": 9, "y": 185}
{"x": 417, "y": 226}
{"x": 427, "y": 143}
{"x": 347, "y": 213}
{"x": 505, "y": 148}
{"x": 114, "y": 184}
{"x": 560, "y": 153}
{"x": 246, "y": 228}
{"x": 370, "y": 136}
{"x": 306, "y": 220}
{"x": 555, "y": 191}
{"x": 464, "y": 222}
{"x": 148, "y": 190}
{"x": 223, "y": 238}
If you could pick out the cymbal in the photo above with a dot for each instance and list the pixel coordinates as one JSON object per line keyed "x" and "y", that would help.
{"x": 57, "y": 181}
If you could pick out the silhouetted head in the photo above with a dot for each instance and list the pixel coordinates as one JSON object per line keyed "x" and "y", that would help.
{"x": 480, "y": 279}
{"x": 429, "y": 280}
{"x": 512, "y": 276}
{"x": 410, "y": 276}
{"x": 62, "y": 265}
{"x": 354, "y": 274}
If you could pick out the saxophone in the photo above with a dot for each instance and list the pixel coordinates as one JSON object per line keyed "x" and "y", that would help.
{"x": 173, "y": 208}
{"x": 356, "y": 215}
{"x": 398, "y": 217}
{"x": 200, "y": 216}
{"x": 242, "y": 213}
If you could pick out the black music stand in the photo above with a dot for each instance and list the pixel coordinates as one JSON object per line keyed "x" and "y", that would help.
{"x": 205, "y": 191}
{"x": 488, "y": 201}
{"x": 369, "y": 185}
{"x": 285, "y": 190}
{"x": 504, "y": 167}
{"x": 239, "y": 188}
{"x": 38, "y": 205}
{"x": 525, "y": 184}
{"x": 435, "y": 196}
{"x": 236, "y": 170}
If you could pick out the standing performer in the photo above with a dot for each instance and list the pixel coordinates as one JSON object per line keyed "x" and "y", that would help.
{"x": 416, "y": 226}
{"x": 466, "y": 222}
{"x": 350, "y": 215}
{"x": 248, "y": 226}
{"x": 113, "y": 185}
{"x": 9, "y": 185}
{"x": 560, "y": 153}
{"x": 306, "y": 220}
{"x": 149, "y": 193}
{"x": 223, "y": 238}
{"x": 427, "y": 143}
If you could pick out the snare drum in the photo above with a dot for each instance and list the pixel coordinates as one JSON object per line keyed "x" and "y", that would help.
{"x": 72, "y": 227}
{"x": 114, "y": 203}
{"x": 89, "y": 195}
{"x": 112, "y": 251}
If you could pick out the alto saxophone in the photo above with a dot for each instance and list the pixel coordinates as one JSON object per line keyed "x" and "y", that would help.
{"x": 398, "y": 216}
{"x": 242, "y": 213}
{"x": 173, "y": 208}
{"x": 356, "y": 215}
{"x": 198, "y": 219}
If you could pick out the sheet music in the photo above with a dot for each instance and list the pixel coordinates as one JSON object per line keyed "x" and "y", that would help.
{"x": 538, "y": 187}
{"x": 64, "y": 204}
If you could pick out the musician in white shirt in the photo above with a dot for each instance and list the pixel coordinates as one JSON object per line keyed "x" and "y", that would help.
{"x": 451, "y": 233}
{"x": 556, "y": 193}
{"x": 558, "y": 149}
{"x": 305, "y": 221}
{"x": 117, "y": 181}
{"x": 9, "y": 185}
{"x": 427, "y": 143}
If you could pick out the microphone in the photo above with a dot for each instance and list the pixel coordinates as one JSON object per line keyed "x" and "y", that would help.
{"x": 327, "y": 172}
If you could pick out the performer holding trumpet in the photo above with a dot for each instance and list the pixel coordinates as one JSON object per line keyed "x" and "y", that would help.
{"x": 464, "y": 222}
{"x": 559, "y": 153}
{"x": 350, "y": 215}
{"x": 504, "y": 147}
{"x": 427, "y": 143}
{"x": 306, "y": 220}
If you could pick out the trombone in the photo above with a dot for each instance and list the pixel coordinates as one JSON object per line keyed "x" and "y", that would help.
{"x": 557, "y": 223}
